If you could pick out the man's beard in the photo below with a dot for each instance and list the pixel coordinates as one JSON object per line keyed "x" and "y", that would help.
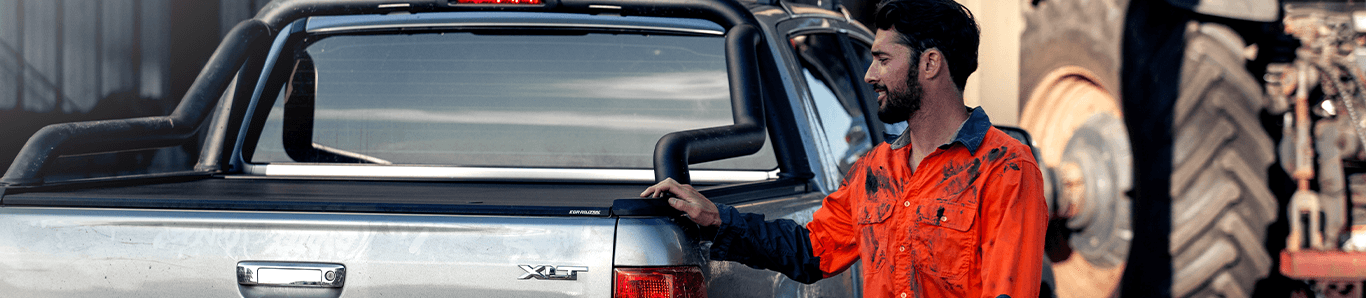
{"x": 901, "y": 105}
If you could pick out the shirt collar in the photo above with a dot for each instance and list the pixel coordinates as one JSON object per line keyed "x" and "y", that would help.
{"x": 973, "y": 131}
{"x": 970, "y": 133}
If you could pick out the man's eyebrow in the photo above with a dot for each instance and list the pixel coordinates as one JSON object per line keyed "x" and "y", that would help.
{"x": 879, "y": 53}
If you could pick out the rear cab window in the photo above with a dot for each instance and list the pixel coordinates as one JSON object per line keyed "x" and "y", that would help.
{"x": 520, "y": 95}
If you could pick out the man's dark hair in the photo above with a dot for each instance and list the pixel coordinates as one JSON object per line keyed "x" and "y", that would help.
{"x": 942, "y": 24}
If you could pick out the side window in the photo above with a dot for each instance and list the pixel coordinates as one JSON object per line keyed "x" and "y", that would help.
{"x": 835, "y": 79}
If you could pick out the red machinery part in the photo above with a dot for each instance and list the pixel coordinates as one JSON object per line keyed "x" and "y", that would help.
{"x": 1323, "y": 265}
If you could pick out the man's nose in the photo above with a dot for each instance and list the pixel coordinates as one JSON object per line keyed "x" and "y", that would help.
{"x": 868, "y": 76}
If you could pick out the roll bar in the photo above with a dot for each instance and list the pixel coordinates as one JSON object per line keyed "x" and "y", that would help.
{"x": 676, "y": 150}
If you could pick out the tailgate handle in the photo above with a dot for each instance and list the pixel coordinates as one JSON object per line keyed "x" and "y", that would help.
{"x": 291, "y": 274}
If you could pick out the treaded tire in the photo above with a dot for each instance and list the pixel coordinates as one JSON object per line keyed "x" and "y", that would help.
{"x": 1069, "y": 69}
{"x": 1221, "y": 203}
{"x": 1202, "y": 202}
{"x": 1079, "y": 33}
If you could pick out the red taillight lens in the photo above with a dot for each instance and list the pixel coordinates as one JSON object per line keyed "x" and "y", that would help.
{"x": 660, "y": 282}
{"x": 498, "y": 1}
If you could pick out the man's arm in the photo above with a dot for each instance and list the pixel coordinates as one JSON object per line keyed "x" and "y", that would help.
{"x": 1013, "y": 234}
{"x": 781, "y": 245}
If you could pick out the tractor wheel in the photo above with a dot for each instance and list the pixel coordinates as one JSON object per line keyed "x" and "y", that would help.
{"x": 1221, "y": 202}
{"x": 1197, "y": 169}
{"x": 1202, "y": 200}
{"x": 1069, "y": 73}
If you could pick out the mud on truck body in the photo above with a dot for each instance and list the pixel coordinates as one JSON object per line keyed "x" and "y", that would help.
{"x": 442, "y": 147}
{"x": 1200, "y": 148}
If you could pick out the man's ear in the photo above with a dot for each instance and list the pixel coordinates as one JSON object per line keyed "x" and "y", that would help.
{"x": 931, "y": 63}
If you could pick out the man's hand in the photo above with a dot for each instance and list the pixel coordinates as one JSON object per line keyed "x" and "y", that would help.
{"x": 688, "y": 200}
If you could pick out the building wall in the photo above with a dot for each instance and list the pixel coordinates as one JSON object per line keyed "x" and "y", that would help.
{"x": 996, "y": 84}
{"x": 79, "y": 60}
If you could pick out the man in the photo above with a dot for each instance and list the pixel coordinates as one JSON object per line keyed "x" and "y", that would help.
{"x": 951, "y": 208}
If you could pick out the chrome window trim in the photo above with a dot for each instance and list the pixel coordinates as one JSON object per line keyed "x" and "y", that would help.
{"x": 499, "y": 24}
{"x": 495, "y": 173}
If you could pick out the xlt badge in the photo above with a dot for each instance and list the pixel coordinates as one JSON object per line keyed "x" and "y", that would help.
{"x": 552, "y": 272}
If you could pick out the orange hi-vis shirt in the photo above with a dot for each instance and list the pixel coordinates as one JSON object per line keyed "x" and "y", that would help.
{"x": 969, "y": 222}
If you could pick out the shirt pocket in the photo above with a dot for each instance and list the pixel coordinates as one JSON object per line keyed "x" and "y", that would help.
{"x": 875, "y": 210}
{"x": 946, "y": 241}
{"x": 875, "y": 231}
{"x": 951, "y": 216}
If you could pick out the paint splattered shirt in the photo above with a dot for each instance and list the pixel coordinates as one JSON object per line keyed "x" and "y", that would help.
{"x": 969, "y": 222}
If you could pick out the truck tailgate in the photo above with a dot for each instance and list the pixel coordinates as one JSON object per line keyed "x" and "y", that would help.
{"x": 88, "y": 252}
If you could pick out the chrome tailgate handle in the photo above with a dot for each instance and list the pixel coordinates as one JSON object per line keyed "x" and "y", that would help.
{"x": 291, "y": 274}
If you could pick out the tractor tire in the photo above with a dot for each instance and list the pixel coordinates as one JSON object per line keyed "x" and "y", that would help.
{"x": 1201, "y": 198}
{"x": 1221, "y": 202}
{"x": 1069, "y": 71}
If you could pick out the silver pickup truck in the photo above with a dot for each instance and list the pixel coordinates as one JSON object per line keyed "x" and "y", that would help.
{"x": 480, "y": 148}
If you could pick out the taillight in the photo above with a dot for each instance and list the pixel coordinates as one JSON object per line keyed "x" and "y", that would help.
{"x": 497, "y": 1}
{"x": 660, "y": 282}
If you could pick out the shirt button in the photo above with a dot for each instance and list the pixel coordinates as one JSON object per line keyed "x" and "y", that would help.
{"x": 907, "y": 204}
{"x": 943, "y": 219}
{"x": 903, "y": 295}
{"x": 903, "y": 248}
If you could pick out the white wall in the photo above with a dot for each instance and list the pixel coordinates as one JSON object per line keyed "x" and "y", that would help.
{"x": 996, "y": 84}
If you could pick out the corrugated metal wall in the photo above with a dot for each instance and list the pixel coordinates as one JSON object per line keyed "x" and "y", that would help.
{"x": 77, "y": 60}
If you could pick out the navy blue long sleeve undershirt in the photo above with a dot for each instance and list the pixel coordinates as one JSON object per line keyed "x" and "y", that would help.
{"x": 780, "y": 245}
